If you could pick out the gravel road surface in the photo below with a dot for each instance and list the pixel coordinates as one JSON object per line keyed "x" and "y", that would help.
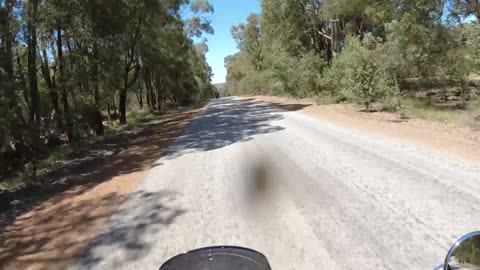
{"x": 306, "y": 193}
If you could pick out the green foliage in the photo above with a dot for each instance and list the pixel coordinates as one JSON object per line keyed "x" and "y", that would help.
{"x": 468, "y": 35}
{"x": 363, "y": 77}
{"x": 58, "y": 155}
{"x": 201, "y": 6}
{"x": 295, "y": 76}
{"x": 196, "y": 25}
{"x": 361, "y": 51}
{"x": 141, "y": 116}
{"x": 286, "y": 75}
{"x": 88, "y": 57}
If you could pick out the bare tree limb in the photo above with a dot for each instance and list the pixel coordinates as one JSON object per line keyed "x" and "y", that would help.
{"x": 324, "y": 35}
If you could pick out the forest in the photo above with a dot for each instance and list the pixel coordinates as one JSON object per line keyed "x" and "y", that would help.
{"x": 69, "y": 67}
{"x": 368, "y": 52}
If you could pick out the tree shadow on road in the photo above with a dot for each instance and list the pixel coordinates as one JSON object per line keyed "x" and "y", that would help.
{"x": 46, "y": 241}
{"x": 118, "y": 155}
{"x": 51, "y": 230}
{"x": 228, "y": 121}
{"x": 142, "y": 215}
{"x": 45, "y": 227}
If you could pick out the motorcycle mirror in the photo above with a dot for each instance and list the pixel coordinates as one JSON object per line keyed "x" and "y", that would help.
{"x": 464, "y": 254}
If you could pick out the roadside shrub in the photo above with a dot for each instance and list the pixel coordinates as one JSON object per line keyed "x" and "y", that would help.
{"x": 254, "y": 83}
{"x": 286, "y": 75}
{"x": 361, "y": 76}
{"x": 330, "y": 84}
{"x": 296, "y": 76}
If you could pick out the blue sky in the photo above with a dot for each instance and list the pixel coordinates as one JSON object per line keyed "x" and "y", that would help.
{"x": 227, "y": 13}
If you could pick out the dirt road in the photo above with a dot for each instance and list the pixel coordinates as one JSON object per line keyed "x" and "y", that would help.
{"x": 306, "y": 193}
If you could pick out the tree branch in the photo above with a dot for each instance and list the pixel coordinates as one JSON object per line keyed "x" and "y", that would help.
{"x": 135, "y": 76}
{"x": 324, "y": 35}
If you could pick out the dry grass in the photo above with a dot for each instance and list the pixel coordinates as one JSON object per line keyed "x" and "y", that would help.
{"x": 415, "y": 108}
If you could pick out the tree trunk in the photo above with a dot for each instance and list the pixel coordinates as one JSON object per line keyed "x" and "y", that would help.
{"x": 32, "y": 64}
{"x": 109, "y": 113}
{"x": 164, "y": 96}
{"x": 139, "y": 95}
{"x": 127, "y": 84}
{"x": 162, "y": 100}
{"x": 61, "y": 82}
{"x": 114, "y": 106}
{"x": 123, "y": 98}
{"x": 329, "y": 52}
{"x": 148, "y": 86}
{"x": 153, "y": 98}
{"x": 477, "y": 10}
{"x": 360, "y": 28}
{"x": 147, "y": 90}
{"x": 129, "y": 64}
{"x": 159, "y": 96}
{"x": 98, "y": 115}
{"x": 52, "y": 88}
{"x": 8, "y": 83}
{"x": 74, "y": 101}
{"x": 122, "y": 106}
{"x": 159, "y": 99}
{"x": 7, "y": 63}
{"x": 33, "y": 84}
{"x": 22, "y": 80}
{"x": 149, "y": 104}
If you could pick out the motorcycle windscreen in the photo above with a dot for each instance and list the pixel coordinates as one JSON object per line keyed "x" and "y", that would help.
{"x": 218, "y": 258}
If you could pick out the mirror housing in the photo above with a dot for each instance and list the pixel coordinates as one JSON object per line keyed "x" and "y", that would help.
{"x": 464, "y": 254}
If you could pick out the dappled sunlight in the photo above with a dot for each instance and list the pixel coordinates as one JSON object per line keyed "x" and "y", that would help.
{"x": 228, "y": 121}
{"x": 144, "y": 214}
{"x": 52, "y": 236}
{"x": 52, "y": 231}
